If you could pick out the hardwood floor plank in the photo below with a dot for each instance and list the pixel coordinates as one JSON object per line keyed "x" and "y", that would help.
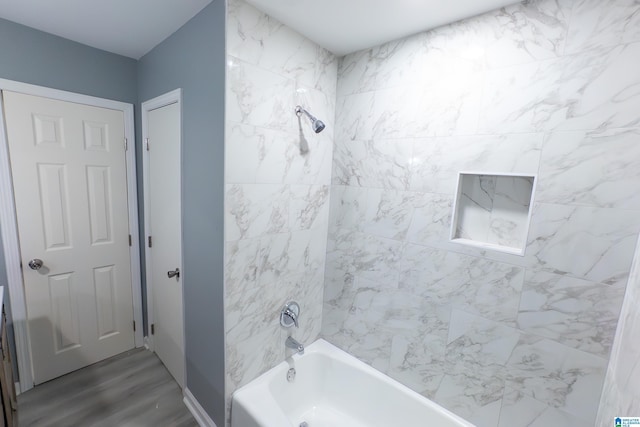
{"x": 133, "y": 389}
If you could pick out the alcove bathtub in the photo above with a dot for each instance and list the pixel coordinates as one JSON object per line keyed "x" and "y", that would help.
{"x": 333, "y": 389}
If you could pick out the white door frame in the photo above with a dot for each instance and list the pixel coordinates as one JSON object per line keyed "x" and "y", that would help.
{"x": 173, "y": 97}
{"x": 9, "y": 226}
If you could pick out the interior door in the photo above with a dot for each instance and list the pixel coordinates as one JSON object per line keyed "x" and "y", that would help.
{"x": 70, "y": 186}
{"x": 164, "y": 216}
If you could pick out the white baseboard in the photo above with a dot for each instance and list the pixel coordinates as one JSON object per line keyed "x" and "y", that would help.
{"x": 196, "y": 410}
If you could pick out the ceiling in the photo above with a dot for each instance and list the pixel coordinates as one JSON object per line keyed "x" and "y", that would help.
{"x": 345, "y": 26}
{"x": 134, "y": 27}
{"x": 126, "y": 27}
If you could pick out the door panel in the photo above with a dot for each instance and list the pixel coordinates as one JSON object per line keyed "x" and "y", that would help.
{"x": 53, "y": 199}
{"x": 163, "y": 126}
{"x": 99, "y": 189}
{"x": 70, "y": 185}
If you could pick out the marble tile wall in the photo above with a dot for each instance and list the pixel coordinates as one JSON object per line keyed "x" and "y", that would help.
{"x": 277, "y": 195}
{"x": 621, "y": 392}
{"x": 545, "y": 87}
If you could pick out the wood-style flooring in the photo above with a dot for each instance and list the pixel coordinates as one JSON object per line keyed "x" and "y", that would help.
{"x": 133, "y": 389}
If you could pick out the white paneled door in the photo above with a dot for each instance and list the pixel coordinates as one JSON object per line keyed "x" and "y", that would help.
{"x": 164, "y": 226}
{"x": 70, "y": 186}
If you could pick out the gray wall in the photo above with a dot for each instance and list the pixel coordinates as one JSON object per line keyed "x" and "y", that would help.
{"x": 193, "y": 59}
{"x": 39, "y": 58}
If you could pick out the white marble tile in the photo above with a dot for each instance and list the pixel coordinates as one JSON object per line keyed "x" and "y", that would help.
{"x": 557, "y": 375}
{"x": 253, "y": 311}
{"x": 265, "y": 42}
{"x": 265, "y": 273}
{"x": 510, "y": 211}
{"x": 253, "y": 210}
{"x": 521, "y": 410}
{"x": 473, "y": 284}
{"x": 449, "y": 100}
{"x": 269, "y": 156}
{"x": 340, "y": 262}
{"x": 348, "y": 207}
{"x": 392, "y": 64}
{"x": 309, "y": 206}
{"x": 259, "y": 97}
{"x": 418, "y": 362}
{"x": 383, "y": 114}
{"x": 388, "y": 213}
{"x": 306, "y": 252}
{"x": 242, "y": 363}
{"x": 474, "y": 207}
{"x": 472, "y": 397}
{"x": 479, "y": 345}
{"x": 446, "y": 104}
{"x": 380, "y": 163}
{"x": 526, "y": 32}
{"x": 431, "y": 221}
{"x": 370, "y": 349}
{"x": 596, "y": 24}
{"x": 409, "y": 331}
{"x": 591, "y": 243}
{"x": 464, "y": 39}
{"x": 383, "y": 309}
{"x": 437, "y": 161}
{"x": 259, "y": 155}
{"x": 376, "y": 257}
{"x": 575, "y": 312}
{"x": 590, "y": 90}
{"x": 594, "y": 168}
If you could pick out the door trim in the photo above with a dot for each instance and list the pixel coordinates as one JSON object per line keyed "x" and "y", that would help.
{"x": 173, "y": 97}
{"x": 9, "y": 226}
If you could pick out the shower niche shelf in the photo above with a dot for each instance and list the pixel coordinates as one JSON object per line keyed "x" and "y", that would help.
{"x": 493, "y": 210}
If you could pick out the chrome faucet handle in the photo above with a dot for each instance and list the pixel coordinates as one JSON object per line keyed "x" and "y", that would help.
{"x": 289, "y": 314}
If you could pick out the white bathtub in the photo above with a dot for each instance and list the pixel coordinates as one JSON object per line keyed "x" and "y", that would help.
{"x": 333, "y": 389}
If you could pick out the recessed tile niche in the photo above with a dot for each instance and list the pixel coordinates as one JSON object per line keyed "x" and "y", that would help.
{"x": 493, "y": 211}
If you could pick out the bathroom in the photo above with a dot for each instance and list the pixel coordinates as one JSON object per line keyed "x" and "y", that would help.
{"x": 354, "y": 223}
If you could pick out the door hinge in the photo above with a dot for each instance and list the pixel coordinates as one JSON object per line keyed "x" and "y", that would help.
{"x": 126, "y": 144}
{"x": 130, "y": 242}
{"x": 134, "y": 326}
{"x": 150, "y": 241}
{"x": 146, "y": 142}
{"x": 153, "y": 329}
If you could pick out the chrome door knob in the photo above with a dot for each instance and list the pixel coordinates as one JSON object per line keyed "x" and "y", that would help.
{"x": 173, "y": 274}
{"x": 35, "y": 264}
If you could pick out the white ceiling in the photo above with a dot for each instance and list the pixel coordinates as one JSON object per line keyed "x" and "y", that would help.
{"x": 134, "y": 27}
{"x": 345, "y": 26}
{"x": 126, "y": 27}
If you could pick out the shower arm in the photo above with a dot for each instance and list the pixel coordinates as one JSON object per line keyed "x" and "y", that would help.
{"x": 300, "y": 110}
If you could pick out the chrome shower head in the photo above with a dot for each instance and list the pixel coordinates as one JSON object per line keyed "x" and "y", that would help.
{"x": 317, "y": 125}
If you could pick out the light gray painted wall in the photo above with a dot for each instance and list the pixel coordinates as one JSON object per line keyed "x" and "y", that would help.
{"x": 39, "y": 58}
{"x": 193, "y": 59}
{"x": 43, "y": 59}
